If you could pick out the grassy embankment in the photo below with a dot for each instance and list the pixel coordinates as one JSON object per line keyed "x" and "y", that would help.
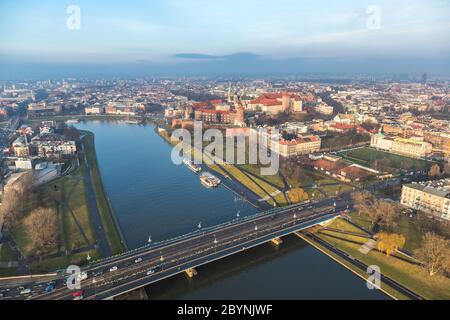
{"x": 410, "y": 275}
{"x": 254, "y": 183}
{"x": 66, "y": 198}
{"x": 109, "y": 223}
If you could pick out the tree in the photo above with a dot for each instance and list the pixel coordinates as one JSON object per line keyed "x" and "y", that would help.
{"x": 17, "y": 197}
{"x": 434, "y": 253}
{"x": 42, "y": 225}
{"x": 386, "y": 213}
{"x": 390, "y": 243}
{"x": 435, "y": 171}
{"x": 447, "y": 168}
{"x": 297, "y": 195}
{"x": 363, "y": 202}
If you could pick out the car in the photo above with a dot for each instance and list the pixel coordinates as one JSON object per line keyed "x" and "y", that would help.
{"x": 138, "y": 260}
{"x": 112, "y": 269}
{"x": 49, "y": 288}
{"x": 25, "y": 291}
{"x": 150, "y": 272}
{"x": 82, "y": 276}
{"x": 97, "y": 273}
{"x": 78, "y": 295}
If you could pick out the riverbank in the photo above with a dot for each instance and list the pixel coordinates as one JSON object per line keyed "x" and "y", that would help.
{"x": 114, "y": 236}
{"x": 399, "y": 268}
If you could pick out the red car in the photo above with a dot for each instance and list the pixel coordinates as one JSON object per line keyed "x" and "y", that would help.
{"x": 78, "y": 295}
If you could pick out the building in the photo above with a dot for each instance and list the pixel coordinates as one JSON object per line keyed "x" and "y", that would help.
{"x": 274, "y": 103}
{"x": 432, "y": 197}
{"x": 408, "y": 147}
{"x": 324, "y": 109}
{"x": 216, "y": 116}
{"x": 439, "y": 140}
{"x": 42, "y": 109}
{"x": 20, "y": 146}
{"x": 94, "y": 110}
{"x": 302, "y": 145}
{"x": 412, "y": 148}
{"x": 381, "y": 142}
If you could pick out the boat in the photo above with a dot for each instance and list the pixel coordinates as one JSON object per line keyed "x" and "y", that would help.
{"x": 209, "y": 181}
{"x": 192, "y": 166}
{"x": 72, "y": 121}
{"x": 131, "y": 121}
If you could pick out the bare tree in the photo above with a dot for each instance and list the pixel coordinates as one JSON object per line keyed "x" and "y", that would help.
{"x": 447, "y": 168}
{"x": 435, "y": 171}
{"x": 387, "y": 214}
{"x": 42, "y": 225}
{"x": 434, "y": 254}
{"x": 17, "y": 199}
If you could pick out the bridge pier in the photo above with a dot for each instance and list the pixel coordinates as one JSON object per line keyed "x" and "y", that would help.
{"x": 191, "y": 272}
{"x": 277, "y": 241}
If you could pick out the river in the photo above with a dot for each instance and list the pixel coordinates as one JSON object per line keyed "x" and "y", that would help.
{"x": 153, "y": 197}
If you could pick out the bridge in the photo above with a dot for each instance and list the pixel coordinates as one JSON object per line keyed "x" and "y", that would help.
{"x": 114, "y": 276}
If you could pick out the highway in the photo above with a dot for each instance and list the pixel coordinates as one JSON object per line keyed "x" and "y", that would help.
{"x": 118, "y": 275}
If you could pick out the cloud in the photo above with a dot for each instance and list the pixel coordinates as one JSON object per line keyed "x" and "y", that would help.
{"x": 195, "y": 56}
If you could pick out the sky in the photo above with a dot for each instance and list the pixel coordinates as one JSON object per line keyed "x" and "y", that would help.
{"x": 189, "y": 36}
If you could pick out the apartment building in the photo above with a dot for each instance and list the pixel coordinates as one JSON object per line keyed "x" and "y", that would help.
{"x": 408, "y": 147}
{"x": 302, "y": 145}
{"x": 432, "y": 197}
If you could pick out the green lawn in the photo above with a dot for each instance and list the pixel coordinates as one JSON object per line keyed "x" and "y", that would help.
{"x": 72, "y": 187}
{"x": 367, "y": 157}
{"x": 256, "y": 170}
{"x": 405, "y": 226}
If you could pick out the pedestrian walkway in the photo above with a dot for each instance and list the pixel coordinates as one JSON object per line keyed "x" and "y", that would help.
{"x": 367, "y": 247}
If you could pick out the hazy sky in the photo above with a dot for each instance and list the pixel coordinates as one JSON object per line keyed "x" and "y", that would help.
{"x": 210, "y": 32}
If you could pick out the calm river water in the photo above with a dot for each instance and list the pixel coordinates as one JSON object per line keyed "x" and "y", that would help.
{"x": 153, "y": 197}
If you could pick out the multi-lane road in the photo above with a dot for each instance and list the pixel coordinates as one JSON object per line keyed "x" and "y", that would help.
{"x": 117, "y": 275}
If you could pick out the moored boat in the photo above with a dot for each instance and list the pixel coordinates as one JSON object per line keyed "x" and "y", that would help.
{"x": 192, "y": 166}
{"x": 209, "y": 180}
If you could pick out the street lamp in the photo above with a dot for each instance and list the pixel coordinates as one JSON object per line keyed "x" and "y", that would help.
{"x": 238, "y": 215}
{"x": 88, "y": 257}
{"x": 199, "y": 226}
{"x": 149, "y": 239}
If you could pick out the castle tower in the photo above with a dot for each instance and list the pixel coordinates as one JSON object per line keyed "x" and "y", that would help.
{"x": 240, "y": 116}
{"x": 229, "y": 93}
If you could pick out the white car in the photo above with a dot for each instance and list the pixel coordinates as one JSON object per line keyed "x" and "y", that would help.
{"x": 82, "y": 276}
{"x": 150, "y": 272}
{"x": 25, "y": 291}
{"x": 113, "y": 269}
{"x": 138, "y": 260}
